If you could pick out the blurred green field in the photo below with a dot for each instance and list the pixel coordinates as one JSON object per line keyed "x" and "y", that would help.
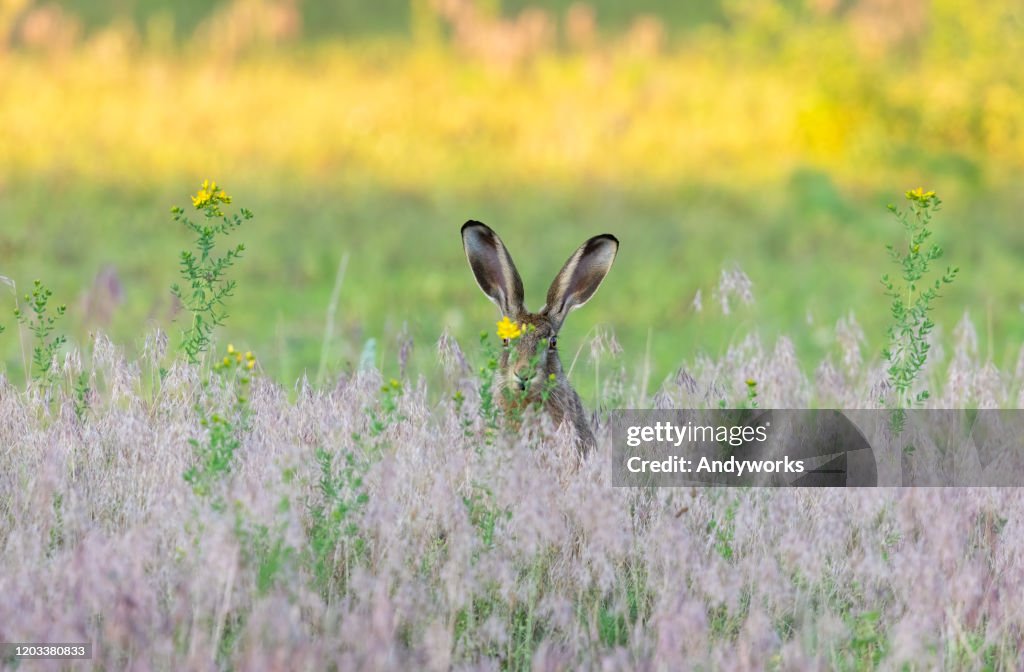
{"x": 766, "y": 138}
{"x": 406, "y": 269}
{"x": 384, "y": 18}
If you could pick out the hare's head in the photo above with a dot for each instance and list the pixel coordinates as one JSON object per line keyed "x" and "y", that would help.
{"x": 532, "y": 357}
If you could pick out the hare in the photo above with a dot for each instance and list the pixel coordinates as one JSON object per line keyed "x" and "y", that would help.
{"x": 530, "y": 364}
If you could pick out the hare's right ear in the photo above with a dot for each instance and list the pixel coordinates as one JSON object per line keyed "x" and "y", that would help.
{"x": 580, "y": 277}
{"x": 492, "y": 265}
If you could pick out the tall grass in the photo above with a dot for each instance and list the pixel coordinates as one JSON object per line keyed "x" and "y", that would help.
{"x": 365, "y": 525}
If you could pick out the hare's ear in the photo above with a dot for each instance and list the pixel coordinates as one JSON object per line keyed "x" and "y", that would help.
{"x": 581, "y": 276}
{"x": 492, "y": 265}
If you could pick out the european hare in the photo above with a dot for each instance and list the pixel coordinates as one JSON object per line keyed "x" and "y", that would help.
{"x": 573, "y": 286}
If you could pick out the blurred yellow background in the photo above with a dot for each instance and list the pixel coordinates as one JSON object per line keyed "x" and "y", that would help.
{"x": 766, "y": 135}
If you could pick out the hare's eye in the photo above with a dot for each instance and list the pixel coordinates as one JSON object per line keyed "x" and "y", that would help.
{"x": 505, "y": 342}
{"x": 552, "y": 343}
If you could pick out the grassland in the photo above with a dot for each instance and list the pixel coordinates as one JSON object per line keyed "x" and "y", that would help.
{"x": 717, "y": 149}
{"x": 367, "y": 526}
{"x": 181, "y": 518}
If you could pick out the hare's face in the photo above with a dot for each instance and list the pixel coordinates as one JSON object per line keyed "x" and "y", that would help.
{"x": 527, "y": 362}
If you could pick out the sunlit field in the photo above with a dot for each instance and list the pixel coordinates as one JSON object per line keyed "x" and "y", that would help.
{"x": 324, "y": 478}
{"x": 773, "y": 146}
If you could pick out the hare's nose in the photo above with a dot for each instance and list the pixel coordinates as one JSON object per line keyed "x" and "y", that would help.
{"x": 523, "y": 377}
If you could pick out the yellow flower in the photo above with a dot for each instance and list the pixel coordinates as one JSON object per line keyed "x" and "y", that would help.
{"x": 210, "y": 196}
{"x": 507, "y": 329}
{"x": 751, "y": 382}
{"x": 250, "y": 364}
{"x": 920, "y": 195}
{"x": 201, "y": 198}
{"x": 231, "y": 349}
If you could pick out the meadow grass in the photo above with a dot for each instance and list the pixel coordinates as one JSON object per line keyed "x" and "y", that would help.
{"x": 183, "y": 514}
{"x": 407, "y": 272}
{"x": 244, "y": 513}
{"x": 367, "y": 525}
{"x": 183, "y": 510}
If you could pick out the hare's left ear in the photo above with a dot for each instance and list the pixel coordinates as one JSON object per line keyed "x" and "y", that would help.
{"x": 580, "y": 277}
{"x": 493, "y": 268}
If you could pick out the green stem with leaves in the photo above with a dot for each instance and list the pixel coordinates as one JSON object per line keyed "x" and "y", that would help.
{"x": 42, "y": 326}
{"x": 912, "y": 301}
{"x": 203, "y": 271}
